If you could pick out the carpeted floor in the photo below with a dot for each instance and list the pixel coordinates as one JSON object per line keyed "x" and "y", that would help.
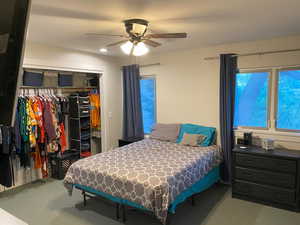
{"x": 49, "y": 204}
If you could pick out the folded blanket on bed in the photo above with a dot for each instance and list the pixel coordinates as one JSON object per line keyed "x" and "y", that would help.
{"x": 151, "y": 173}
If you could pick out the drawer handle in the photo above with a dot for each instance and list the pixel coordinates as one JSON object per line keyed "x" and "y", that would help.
{"x": 85, "y": 102}
{"x": 247, "y": 173}
{"x": 85, "y": 111}
{"x": 250, "y": 161}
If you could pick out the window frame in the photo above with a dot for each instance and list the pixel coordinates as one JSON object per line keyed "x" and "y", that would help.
{"x": 269, "y": 96}
{"x": 276, "y": 89}
{"x": 152, "y": 77}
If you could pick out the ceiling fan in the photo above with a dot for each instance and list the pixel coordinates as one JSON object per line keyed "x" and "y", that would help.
{"x": 137, "y": 37}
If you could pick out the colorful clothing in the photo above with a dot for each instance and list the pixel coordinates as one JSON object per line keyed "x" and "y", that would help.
{"x": 39, "y": 129}
{"x": 95, "y": 110}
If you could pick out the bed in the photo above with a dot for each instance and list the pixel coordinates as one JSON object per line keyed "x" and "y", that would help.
{"x": 150, "y": 174}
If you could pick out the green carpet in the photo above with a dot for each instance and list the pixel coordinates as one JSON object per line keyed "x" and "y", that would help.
{"x": 49, "y": 204}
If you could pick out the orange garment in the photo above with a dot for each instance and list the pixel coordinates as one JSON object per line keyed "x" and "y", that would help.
{"x": 85, "y": 154}
{"x": 63, "y": 139}
{"x": 38, "y": 111}
{"x": 31, "y": 123}
{"x": 95, "y": 110}
{"x": 37, "y": 158}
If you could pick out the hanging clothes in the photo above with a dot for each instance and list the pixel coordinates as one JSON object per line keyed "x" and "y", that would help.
{"x": 49, "y": 126}
{"x": 38, "y": 111}
{"x": 95, "y": 110}
{"x": 6, "y": 166}
{"x": 31, "y": 122}
{"x": 22, "y": 120}
{"x": 63, "y": 139}
{"x": 39, "y": 120}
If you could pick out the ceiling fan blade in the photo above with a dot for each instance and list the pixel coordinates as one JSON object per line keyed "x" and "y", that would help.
{"x": 152, "y": 43}
{"x": 116, "y": 43}
{"x": 105, "y": 35}
{"x": 167, "y": 35}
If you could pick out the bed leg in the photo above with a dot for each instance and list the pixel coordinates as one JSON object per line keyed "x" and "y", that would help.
{"x": 193, "y": 200}
{"x": 123, "y": 213}
{"x": 118, "y": 211}
{"x": 169, "y": 219}
{"x": 84, "y": 198}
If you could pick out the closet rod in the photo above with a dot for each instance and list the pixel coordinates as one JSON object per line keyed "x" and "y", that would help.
{"x": 257, "y": 53}
{"x": 60, "y": 69}
{"x": 29, "y": 87}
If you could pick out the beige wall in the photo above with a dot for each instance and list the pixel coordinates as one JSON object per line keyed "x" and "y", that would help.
{"x": 188, "y": 86}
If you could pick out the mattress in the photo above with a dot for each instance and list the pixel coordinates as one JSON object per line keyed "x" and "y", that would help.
{"x": 150, "y": 173}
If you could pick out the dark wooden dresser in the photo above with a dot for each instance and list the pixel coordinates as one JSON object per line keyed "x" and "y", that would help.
{"x": 267, "y": 177}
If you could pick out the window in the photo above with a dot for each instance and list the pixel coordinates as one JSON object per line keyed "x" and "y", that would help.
{"x": 263, "y": 96}
{"x": 251, "y": 99}
{"x": 148, "y": 98}
{"x": 288, "y": 100}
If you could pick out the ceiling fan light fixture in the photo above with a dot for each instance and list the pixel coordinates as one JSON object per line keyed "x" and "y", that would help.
{"x": 138, "y": 29}
{"x": 127, "y": 47}
{"x": 103, "y": 50}
{"x": 140, "y": 49}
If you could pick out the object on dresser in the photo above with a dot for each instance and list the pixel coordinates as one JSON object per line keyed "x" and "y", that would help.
{"x": 248, "y": 138}
{"x": 267, "y": 144}
{"x": 267, "y": 177}
{"x": 240, "y": 141}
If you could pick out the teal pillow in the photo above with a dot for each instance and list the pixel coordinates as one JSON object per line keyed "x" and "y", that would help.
{"x": 209, "y": 132}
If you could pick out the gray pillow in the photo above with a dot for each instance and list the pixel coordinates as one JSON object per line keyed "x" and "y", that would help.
{"x": 192, "y": 139}
{"x": 165, "y": 132}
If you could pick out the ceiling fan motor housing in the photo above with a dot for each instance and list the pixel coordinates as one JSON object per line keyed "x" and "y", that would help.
{"x": 136, "y": 28}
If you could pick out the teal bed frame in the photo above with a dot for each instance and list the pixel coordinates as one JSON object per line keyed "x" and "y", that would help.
{"x": 206, "y": 182}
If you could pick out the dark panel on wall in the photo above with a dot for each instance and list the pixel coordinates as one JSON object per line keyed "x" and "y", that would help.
{"x": 13, "y": 20}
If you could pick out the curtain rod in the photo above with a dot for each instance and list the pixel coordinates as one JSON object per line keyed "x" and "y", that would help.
{"x": 271, "y": 67}
{"x": 257, "y": 53}
{"x": 148, "y": 65}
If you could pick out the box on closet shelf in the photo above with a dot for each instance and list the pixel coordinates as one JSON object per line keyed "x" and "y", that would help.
{"x": 33, "y": 79}
{"x": 65, "y": 80}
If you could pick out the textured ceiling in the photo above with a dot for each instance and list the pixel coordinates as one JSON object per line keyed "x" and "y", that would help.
{"x": 63, "y": 23}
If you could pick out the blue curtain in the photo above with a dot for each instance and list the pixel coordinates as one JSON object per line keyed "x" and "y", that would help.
{"x": 228, "y": 70}
{"x": 133, "y": 120}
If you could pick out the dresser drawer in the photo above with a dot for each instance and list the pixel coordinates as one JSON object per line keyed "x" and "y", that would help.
{"x": 266, "y": 193}
{"x": 280, "y": 165}
{"x": 265, "y": 177}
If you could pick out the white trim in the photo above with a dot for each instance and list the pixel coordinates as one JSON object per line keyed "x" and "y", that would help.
{"x": 103, "y": 119}
{"x": 270, "y": 67}
{"x": 279, "y": 137}
{"x": 269, "y": 132}
{"x": 68, "y": 69}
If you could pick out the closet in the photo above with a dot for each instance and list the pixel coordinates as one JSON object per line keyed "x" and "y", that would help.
{"x": 58, "y": 121}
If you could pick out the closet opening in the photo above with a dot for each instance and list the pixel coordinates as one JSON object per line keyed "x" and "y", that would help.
{"x": 57, "y": 122}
